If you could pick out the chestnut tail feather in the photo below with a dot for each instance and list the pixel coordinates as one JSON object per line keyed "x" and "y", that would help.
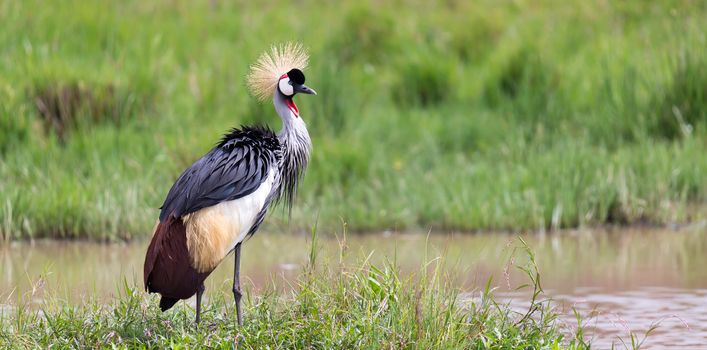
{"x": 167, "y": 269}
{"x": 167, "y": 303}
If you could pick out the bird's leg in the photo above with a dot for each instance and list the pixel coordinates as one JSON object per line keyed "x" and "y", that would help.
{"x": 237, "y": 294}
{"x": 199, "y": 293}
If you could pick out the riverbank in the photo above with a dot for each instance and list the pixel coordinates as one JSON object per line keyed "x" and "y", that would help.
{"x": 340, "y": 305}
{"x": 621, "y": 282}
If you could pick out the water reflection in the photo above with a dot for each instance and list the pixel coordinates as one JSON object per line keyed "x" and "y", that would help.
{"x": 631, "y": 278}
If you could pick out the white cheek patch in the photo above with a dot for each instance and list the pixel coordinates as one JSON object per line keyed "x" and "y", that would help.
{"x": 285, "y": 87}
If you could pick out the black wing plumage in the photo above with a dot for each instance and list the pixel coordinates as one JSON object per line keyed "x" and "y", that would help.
{"x": 234, "y": 168}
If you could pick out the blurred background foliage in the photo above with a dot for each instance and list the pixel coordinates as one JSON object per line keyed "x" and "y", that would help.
{"x": 452, "y": 115}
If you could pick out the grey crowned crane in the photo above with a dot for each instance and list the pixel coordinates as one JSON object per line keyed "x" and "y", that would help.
{"x": 223, "y": 197}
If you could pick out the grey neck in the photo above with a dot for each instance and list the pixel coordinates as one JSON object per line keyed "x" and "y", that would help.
{"x": 296, "y": 147}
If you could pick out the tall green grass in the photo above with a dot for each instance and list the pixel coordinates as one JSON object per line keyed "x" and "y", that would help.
{"x": 460, "y": 115}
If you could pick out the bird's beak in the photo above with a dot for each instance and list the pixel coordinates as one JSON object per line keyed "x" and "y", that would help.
{"x": 301, "y": 88}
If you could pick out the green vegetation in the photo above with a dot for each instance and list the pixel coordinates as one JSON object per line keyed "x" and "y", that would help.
{"x": 335, "y": 305}
{"x": 458, "y": 115}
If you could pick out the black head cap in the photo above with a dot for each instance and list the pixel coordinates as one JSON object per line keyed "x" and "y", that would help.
{"x": 296, "y": 76}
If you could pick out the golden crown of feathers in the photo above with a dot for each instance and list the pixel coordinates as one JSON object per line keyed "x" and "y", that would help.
{"x": 270, "y": 66}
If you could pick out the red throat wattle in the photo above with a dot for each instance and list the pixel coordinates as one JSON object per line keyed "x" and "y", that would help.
{"x": 293, "y": 107}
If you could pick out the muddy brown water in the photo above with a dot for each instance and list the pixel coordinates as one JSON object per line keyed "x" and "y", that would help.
{"x": 621, "y": 280}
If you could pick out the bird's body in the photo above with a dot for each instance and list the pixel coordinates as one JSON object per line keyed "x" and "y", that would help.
{"x": 223, "y": 197}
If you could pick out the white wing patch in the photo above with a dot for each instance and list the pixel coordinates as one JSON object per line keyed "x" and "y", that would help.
{"x": 245, "y": 210}
{"x": 214, "y": 231}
